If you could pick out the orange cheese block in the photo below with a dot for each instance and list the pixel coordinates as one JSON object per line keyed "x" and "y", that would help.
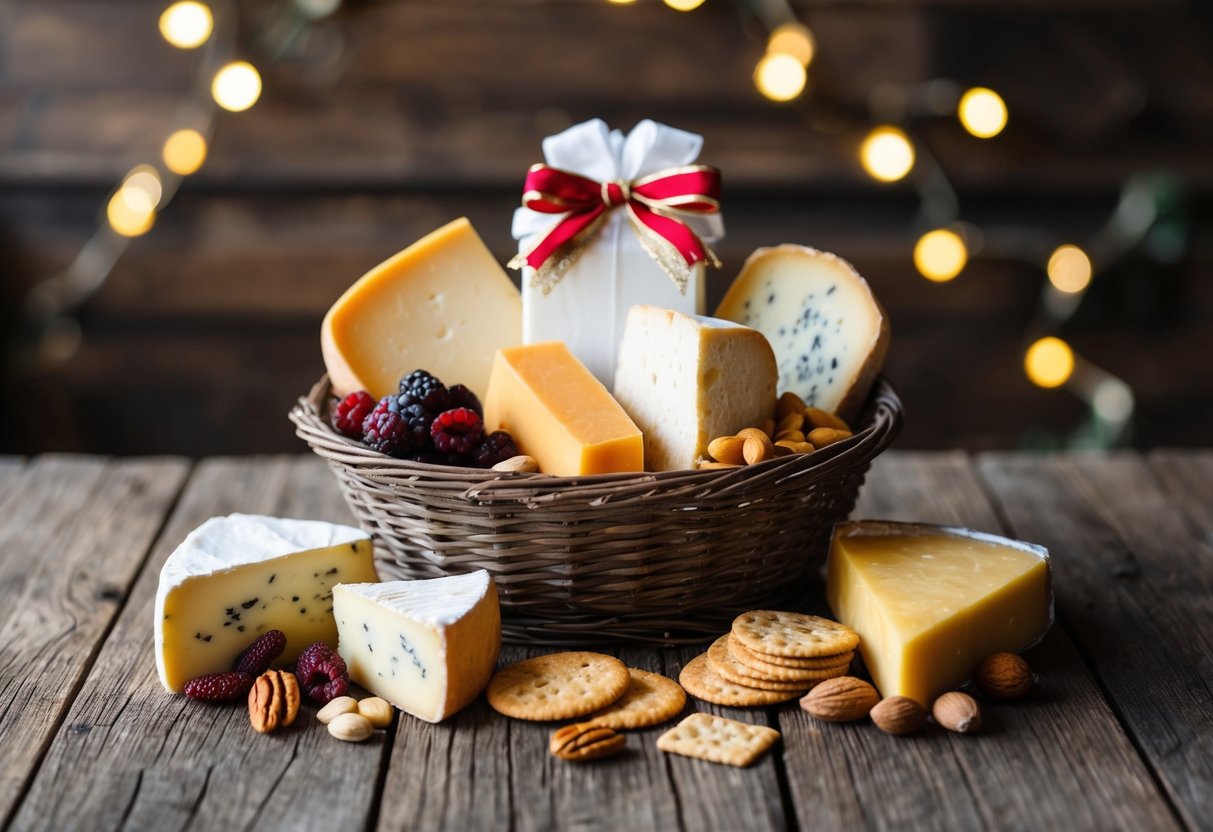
{"x": 442, "y": 305}
{"x": 559, "y": 413}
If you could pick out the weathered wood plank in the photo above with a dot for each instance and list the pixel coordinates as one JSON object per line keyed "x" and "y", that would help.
{"x": 10, "y": 466}
{"x": 1187, "y": 477}
{"x": 481, "y": 768}
{"x": 73, "y": 534}
{"x": 1056, "y": 760}
{"x": 1135, "y": 587}
{"x": 131, "y": 756}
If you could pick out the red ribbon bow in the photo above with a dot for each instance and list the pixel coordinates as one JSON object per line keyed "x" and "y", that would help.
{"x": 652, "y": 203}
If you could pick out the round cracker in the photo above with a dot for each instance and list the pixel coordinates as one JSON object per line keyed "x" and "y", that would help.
{"x": 650, "y": 699}
{"x": 558, "y": 686}
{"x": 792, "y": 634}
{"x": 749, "y": 664}
{"x": 699, "y": 681}
{"x": 745, "y": 655}
{"x": 729, "y": 669}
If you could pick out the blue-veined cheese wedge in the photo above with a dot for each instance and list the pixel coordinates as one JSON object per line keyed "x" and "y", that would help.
{"x": 235, "y": 577}
{"x": 429, "y": 647}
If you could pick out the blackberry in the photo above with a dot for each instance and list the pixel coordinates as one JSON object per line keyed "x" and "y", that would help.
{"x": 498, "y": 446}
{"x": 461, "y": 396}
{"x": 426, "y": 389}
{"x": 457, "y": 431}
{"x": 351, "y": 412}
{"x": 416, "y": 416}
{"x": 386, "y": 431}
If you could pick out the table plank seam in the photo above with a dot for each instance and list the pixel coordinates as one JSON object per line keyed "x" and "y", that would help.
{"x": 385, "y": 761}
{"x": 669, "y": 773}
{"x": 781, "y": 776}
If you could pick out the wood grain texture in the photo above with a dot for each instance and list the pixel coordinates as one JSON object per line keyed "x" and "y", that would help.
{"x": 480, "y": 768}
{"x": 1135, "y": 587}
{"x": 1187, "y": 479}
{"x": 73, "y": 533}
{"x": 1070, "y": 761}
{"x": 130, "y": 755}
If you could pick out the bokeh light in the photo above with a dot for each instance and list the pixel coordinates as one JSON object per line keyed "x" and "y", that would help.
{"x": 887, "y": 154}
{"x": 236, "y": 86}
{"x": 1069, "y": 269}
{"x": 1049, "y": 362}
{"x": 940, "y": 255}
{"x": 184, "y": 152}
{"x": 187, "y": 25}
{"x": 684, "y": 5}
{"x": 792, "y": 39}
{"x": 780, "y": 77}
{"x": 982, "y": 112}
{"x": 130, "y": 212}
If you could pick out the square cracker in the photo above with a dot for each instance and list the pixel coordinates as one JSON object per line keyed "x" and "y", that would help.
{"x": 718, "y": 740}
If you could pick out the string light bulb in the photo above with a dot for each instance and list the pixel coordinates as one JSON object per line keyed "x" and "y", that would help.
{"x": 236, "y": 86}
{"x": 887, "y": 154}
{"x": 130, "y": 211}
{"x": 621, "y": 2}
{"x": 982, "y": 112}
{"x": 793, "y": 39}
{"x": 187, "y": 24}
{"x": 940, "y": 255}
{"x": 184, "y": 152}
{"x": 1049, "y": 362}
{"x": 684, "y": 5}
{"x": 1069, "y": 269}
{"x": 780, "y": 77}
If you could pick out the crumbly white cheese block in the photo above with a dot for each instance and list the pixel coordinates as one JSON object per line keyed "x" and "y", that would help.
{"x": 428, "y": 647}
{"x": 829, "y": 333}
{"x": 687, "y": 379}
{"x": 235, "y": 577}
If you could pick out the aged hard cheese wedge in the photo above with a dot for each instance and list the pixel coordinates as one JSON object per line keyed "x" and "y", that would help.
{"x": 828, "y": 332}
{"x": 428, "y": 647}
{"x": 930, "y": 602}
{"x": 442, "y": 305}
{"x": 235, "y": 577}
{"x": 686, "y": 379}
{"x": 559, "y": 413}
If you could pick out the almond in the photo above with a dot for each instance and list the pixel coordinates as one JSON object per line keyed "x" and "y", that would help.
{"x": 794, "y": 447}
{"x": 793, "y": 421}
{"x": 337, "y": 707}
{"x": 768, "y": 427}
{"x": 842, "y": 699}
{"x": 1004, "y": 676}
{"x": 789, "y": 402}
{"x": 957, "y": 712}
{"x": 898, "y": 715}
{"x": 727, "y": 449}
{"x": 757, "y": 450}
{"x": 351, "y": 728}
{"x": 820, "y": 437}
{"x": 377, "y": 711}
{"x": 818, "y": 418}
{"x": 522, "y": 463}
{"x": 708, "y": 465}
{"x": 756, "y": 433}
{"x": 789, "y": 435}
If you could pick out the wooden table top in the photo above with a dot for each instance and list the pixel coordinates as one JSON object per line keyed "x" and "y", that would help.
{"x": 1118, "y": 736}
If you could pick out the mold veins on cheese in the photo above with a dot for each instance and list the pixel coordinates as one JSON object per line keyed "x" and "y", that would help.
{"x": 829, "y": 333}
{"x": 428, "y": 647}
{"x": 235, "y": 577}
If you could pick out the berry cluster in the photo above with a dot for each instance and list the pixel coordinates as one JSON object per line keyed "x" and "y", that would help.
{"x": 425, "y": 421}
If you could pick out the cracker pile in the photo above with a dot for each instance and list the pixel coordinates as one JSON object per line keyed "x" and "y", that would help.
{"x": 770, "y": 657}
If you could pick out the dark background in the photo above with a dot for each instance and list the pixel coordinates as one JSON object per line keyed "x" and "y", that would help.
{"x": 394, "y": 117}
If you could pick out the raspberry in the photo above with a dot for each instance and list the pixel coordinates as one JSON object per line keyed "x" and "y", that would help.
{"x": 457, "y": 431}
{"x": 351, "y": 412}
{"x": 322, "y": 673}
{"x": 426, "y": 389}
{"x": 256, "y": 658}
{"x": 386, "y": 431}
{"x": 498, "y": 446}
{"x": 461, "y": 396}
{"x": 219, "y": 687}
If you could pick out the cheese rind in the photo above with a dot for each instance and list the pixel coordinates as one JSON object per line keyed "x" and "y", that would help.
{"x": 428, "y": 647}
{"x": 931, "y": 602}
{"x": 829, "y": 333}
{"x": 559, "y": 413}
{"x": 442, "y": 305}
{"x": 687, "y": 379}
{"x": 235, "y": 577}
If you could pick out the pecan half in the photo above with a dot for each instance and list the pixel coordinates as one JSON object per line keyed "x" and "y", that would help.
{"x": 273, "y": 701}
{"x": 586, "y": 741}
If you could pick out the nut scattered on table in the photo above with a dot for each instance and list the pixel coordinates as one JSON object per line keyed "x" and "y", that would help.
{"x": 273, "y": 701}
{"x": 337, "y": 707}
{"x": 898, "y": 715}
{"x": 957, "y": 712}
{"x": 842, "y": 699}
{"x": 377, "y": 711}
{"x": 586, "y": 741}
{"x": 1004, "y": 676}
{"x": 351, "y": 727}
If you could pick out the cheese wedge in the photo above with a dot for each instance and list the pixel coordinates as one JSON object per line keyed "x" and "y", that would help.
{"x": 235, "y": 577}
{"x": 930, "y": 602}
{"x": 559, "y": 413}
{"x": 442, "y": 305}
{"x": 828, "y": 331}
{"x": 687, "y": 379}
{"x": 428, "y": 647}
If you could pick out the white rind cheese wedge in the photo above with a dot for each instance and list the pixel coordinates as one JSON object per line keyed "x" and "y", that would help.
{"x": 829, "y": 333}
{"x": 442, "y": 305}
{"x": 235, "y": 577}
{"x": 428, "y": 647}
{"x": 687, "y": 379}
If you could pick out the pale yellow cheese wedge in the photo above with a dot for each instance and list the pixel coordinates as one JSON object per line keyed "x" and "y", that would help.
{"x": 559, "y": 413}
{"x": 442, "y": 305}
{"x": 930, "y": 602}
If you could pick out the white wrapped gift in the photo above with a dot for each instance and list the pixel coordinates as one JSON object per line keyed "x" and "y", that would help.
{"x": 613, "y": 269}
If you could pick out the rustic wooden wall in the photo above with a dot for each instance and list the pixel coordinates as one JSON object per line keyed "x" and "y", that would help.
{"x": 207, "y": 329}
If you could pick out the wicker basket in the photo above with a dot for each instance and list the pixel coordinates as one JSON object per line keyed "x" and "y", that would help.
{"x": 665, "y": 558}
